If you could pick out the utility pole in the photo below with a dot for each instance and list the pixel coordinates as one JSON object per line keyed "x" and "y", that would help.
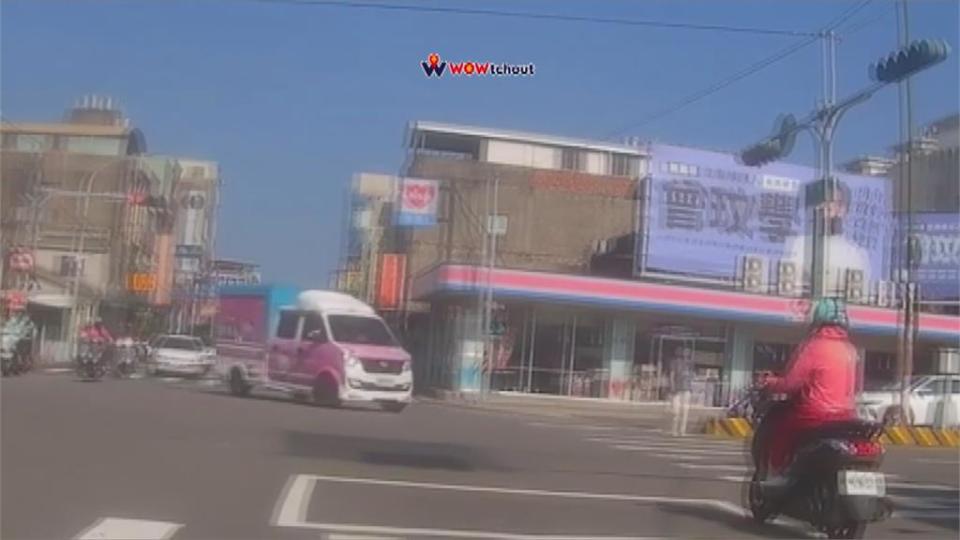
{"x": 906, "y": 279}
{"x": 482, "y": 326}
{"x": 490, "y": 225}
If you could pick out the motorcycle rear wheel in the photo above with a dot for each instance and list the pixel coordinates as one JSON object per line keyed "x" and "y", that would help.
{"x": 759, "y": 506}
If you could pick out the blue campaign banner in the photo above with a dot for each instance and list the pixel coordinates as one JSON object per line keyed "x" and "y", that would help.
{"x": 703, "y": 212}
{"x": 936, "y": 241}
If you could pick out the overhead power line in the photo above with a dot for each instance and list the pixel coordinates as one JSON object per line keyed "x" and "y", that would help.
{"x": 742, "y": 74}
{"x": 531, "y": 15}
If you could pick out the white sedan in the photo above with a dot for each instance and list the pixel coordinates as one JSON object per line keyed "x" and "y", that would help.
{"x": 180, "y": 355}
{"x": 932, "y": 400}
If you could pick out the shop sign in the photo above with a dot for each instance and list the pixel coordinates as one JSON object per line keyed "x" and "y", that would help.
{"x": 141, "y": 282}
{"x": 417, "y": 202}
{"x": 390, "y": 280}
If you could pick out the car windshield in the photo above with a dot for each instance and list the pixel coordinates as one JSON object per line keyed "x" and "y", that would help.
{"x": 182, "y": 343}
{"x": 360, "y": 330}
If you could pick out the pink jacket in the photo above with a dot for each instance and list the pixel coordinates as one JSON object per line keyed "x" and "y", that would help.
{"x": 822, "y": 376}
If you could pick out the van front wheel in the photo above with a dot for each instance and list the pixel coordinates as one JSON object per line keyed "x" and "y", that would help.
{"x": 326, "y": 392}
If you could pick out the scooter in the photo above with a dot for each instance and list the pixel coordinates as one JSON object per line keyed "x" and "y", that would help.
{"x": 835, "y": 483}
{"x": 91, "y": 361}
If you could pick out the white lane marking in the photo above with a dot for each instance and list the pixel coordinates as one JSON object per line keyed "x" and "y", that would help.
{"x": 636, "y": 448}
{"x": 292, "y": 505}
{"x": 290, "y": 510}
{"x": 109, "y": 528}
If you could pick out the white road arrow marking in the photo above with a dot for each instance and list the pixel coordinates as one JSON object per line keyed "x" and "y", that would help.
{"x": 109, "y": 528}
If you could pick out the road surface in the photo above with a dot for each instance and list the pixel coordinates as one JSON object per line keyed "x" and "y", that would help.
{"x": 182, "y": 460}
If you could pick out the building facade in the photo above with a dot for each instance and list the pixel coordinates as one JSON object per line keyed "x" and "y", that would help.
{"x": 583, "y": 268}
{"x": 93, "y": 214}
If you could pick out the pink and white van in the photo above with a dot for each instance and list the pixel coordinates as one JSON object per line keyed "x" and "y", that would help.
{"x": 332, "y": 348}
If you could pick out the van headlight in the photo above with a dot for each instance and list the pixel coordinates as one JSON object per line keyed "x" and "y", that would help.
{"x": 353, "y": 362}
{"x": 406, "y": 366}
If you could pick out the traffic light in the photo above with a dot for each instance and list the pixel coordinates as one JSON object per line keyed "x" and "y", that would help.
{"x": 754, "y": 270}
{"x": 777, "y": 146}
{"x": 908, "y": 60}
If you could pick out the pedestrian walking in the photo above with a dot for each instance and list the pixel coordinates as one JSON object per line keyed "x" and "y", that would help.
{"x": 681, "y": 380}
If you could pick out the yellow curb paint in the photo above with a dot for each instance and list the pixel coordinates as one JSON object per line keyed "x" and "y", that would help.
{"x": 900, "y": 435}
{"x": 924, "y": 436}
{"x": 947, "y": 437}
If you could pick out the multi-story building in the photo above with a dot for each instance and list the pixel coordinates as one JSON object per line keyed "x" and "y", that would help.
{"x": 95, "y": 215}
{"x": 604, "y": 262}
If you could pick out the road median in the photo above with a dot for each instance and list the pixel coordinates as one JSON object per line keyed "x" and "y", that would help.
{"x": 923, "y": 436}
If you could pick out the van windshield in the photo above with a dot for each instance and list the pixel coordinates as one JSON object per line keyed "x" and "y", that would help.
{"x": 360, "y": 330}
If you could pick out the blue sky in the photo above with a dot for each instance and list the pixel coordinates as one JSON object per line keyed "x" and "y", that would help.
{"x": 292, "y": 100}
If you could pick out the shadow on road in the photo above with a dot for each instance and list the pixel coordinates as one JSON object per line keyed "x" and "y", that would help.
{"x": 739, "y": 523}
{"x": 389, "y": 452}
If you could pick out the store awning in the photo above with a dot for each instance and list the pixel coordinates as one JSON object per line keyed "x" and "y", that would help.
{"x": 630, "y": 295}
{"x": 52, "y": 300}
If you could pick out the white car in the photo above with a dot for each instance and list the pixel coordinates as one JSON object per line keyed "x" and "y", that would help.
{"x": 180, "y": 355}
{"x": 927, "y": 403}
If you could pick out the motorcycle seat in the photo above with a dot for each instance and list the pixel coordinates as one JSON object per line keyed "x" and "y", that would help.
{"x": 845, "y": 429}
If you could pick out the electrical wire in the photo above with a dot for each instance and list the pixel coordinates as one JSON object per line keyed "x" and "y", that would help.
{"x": 742, "y": 74}
{"x": 530, "y": 15}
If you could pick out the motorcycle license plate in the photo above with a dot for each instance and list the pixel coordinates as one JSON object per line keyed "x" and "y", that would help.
{"x": 862, "y": 483}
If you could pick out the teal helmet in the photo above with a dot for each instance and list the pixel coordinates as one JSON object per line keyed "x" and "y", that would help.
{"x": 829, "y": 312}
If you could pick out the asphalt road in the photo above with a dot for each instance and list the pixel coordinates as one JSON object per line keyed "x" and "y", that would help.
{"x": 183, "y": 460}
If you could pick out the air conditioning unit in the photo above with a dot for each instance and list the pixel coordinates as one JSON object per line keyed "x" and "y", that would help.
{"x": 853, "y": 285}
{"x": 787, "y": 278}
{"x": 885, "y": 296}
{"x": 755, "y": 274}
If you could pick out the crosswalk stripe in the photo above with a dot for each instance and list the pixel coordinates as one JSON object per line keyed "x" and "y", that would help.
{"x": 666, "y": 442}
{"x": 636, "y": 448}
{"x": 713, "y": 466}
{"x": 681, "y": 457}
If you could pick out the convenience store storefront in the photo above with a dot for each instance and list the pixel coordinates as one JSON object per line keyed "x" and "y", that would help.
{"x": 617, "y": 339}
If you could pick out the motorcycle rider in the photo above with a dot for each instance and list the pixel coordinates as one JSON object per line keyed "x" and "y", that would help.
{"x": 820, "y": 382}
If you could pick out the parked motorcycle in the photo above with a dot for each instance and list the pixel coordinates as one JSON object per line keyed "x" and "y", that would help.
{"x": 16, "y": 350}
{"x": 91, "y": 362}
{"x": 835, "y": 482}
